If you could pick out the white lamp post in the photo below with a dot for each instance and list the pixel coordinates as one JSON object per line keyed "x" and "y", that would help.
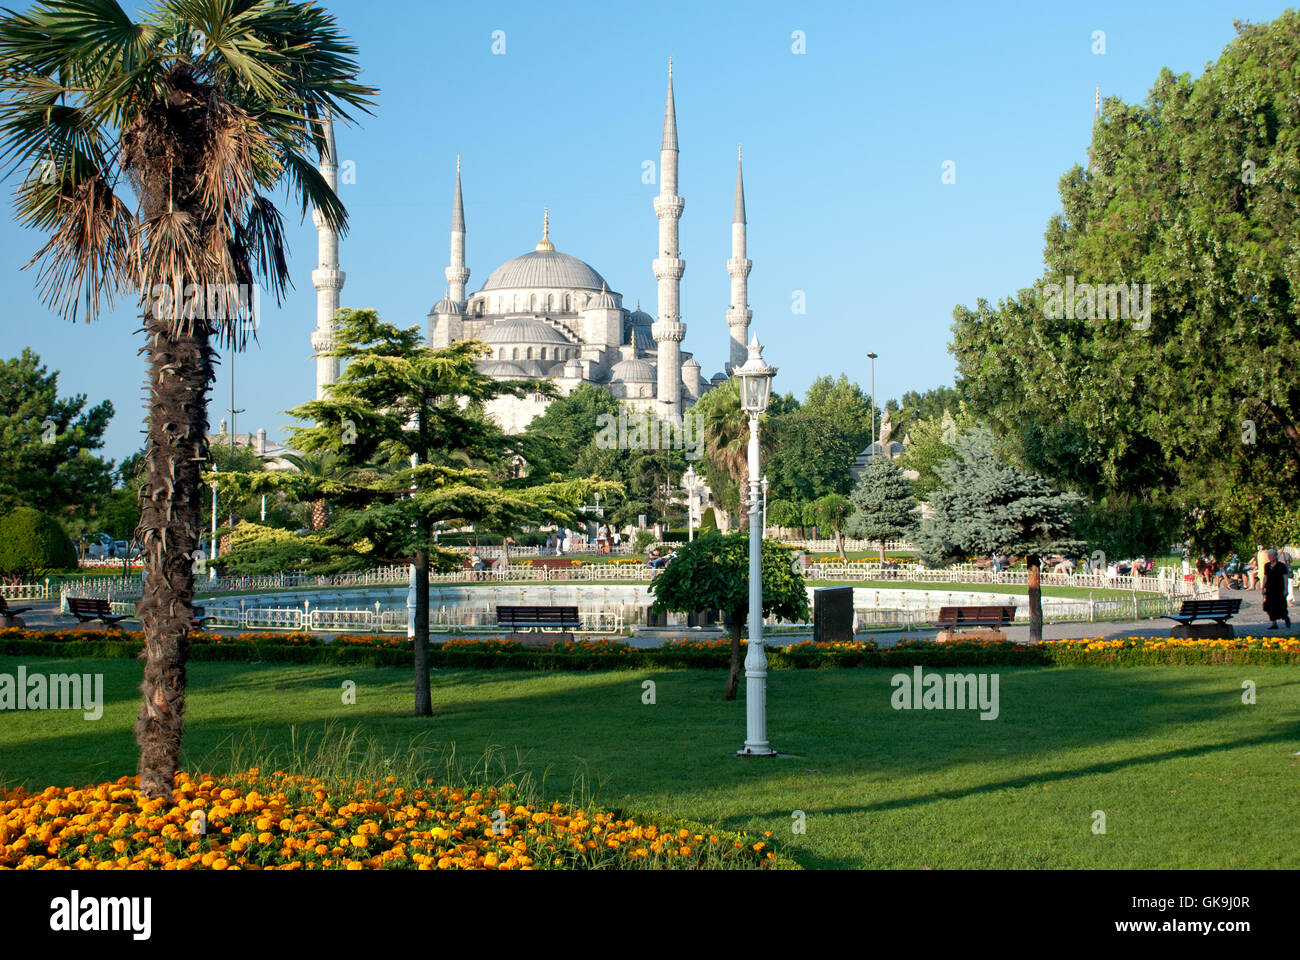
{"x": 212, "y": 548}
{"x": 691, "y": 484}
{"x": 765, "y": 504}
{"x": 410, "y": 587}
{"x": 755, "y": 378}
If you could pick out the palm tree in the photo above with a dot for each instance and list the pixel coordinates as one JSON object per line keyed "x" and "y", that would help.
{"x": 726, "y": 436}
{"x": 194, "y": 114}
{"x": 321, "y": 465}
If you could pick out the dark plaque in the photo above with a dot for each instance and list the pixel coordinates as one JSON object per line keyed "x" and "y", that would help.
{"x": 832, "y": 614}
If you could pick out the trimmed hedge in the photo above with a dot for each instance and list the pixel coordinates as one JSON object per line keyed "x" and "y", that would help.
{"x": 473, "y": 654}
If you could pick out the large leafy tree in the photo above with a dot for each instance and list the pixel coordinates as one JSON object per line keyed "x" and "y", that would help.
{"x": 931, "y": 443}
{"x": 883, "y": 505}
{"x": 409, "y": 420}
{"x": 149, "y": 150}
{"x": 47, "y": 443}
{"x": 712, "y": 573}
{"x": 553, "y": 442}
{"x": 1193, "y": 402}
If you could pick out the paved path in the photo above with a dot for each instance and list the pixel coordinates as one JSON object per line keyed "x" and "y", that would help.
{"x": 1249, "y": 622}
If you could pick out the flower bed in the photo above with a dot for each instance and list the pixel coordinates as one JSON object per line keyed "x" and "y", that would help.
{"x": 684, "y": 653}
{"x": 280, "y": 822}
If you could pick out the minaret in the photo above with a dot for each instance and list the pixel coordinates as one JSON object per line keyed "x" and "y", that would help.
{"x": 327, "y": 278}
{"x": 739, "y": 314}
{"x": 457, "y": 273}
{"x": 668, "y": 330}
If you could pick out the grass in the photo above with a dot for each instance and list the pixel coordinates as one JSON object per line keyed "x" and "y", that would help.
{"x": 1187, "y": 775}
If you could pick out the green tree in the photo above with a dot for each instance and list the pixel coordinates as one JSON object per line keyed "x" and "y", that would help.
{"x": 1179, "y": 391}
{"x": 413, "y": 417}
{"x": 712, "y": 573}
{"x": 553, "y": 442}
{"x": 708, "y": 521}
{"x": 883, "y": 504}
{"x": 150, "y": 151}
{"x": 932, "y": 443}
{"x": 32, "y": 543}
{"x": 813, "y": 456}
{"x": 47, "y": 444}
{"x": 831, "y": 512}
{"x": 842, "y": 402}
{"x": 987, "y": 506}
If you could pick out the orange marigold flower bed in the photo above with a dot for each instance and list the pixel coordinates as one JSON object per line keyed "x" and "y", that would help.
{"x": 257, "y": 821}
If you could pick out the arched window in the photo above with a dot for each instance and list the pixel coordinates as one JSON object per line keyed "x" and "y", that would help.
{"x": 516, "y": 354}
{"x": 528, "y": 353}
{"x": 532, "y": 303}
{"x": 550, "y": 302}
{"x": 568, "y": 303}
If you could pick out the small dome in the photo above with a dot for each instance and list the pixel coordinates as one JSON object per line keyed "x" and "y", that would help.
{"x": 691, "y": 362}
{"x": 447, "y": 306}
{"x": 640, "y": 317}
{"x": 522, "y": 331}
{"x": 602, "y": 301}
{"x": 501, "y": 368}
{"x": 557, "y": 369}
{"x": 633, "y": 371}
{"x": 718, "y": 378}
{"x": 642, "y": 339}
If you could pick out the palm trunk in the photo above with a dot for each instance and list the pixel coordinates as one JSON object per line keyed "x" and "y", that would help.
{"x": 1034, "y": 564}
{"x": 423, "y": 695}
{"x": 171, "y": 502}
{"x": 733, "y": 678}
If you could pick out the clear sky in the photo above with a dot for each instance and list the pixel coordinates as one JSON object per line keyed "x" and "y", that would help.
{"x": 844, "y": 151}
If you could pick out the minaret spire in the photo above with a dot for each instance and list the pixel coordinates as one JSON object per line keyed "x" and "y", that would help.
{"x": 327, "y": 278}
{"x": 668, "y": 330}
{"x": 739, "y": 314}
{"x": 545, "y": 244}
{"x": 457, "y": 273}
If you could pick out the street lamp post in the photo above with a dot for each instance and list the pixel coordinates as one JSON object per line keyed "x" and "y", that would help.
{"x": 212, "y": 547}
{"x": 755, "y": 378}
{"x": 765, "y": 504}
{"x": 691, "y": 484}
{"x": 410, "y": 586}
{"x": 872, "y": 357}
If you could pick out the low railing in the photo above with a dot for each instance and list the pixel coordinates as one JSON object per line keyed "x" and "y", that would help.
{"x": 27, "y": 591}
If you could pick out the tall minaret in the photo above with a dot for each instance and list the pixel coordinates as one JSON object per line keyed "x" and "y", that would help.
{"x": 457, "y": 273}
{"x": 669, "y": 330}
{"x": 327, "y": 278}
{"x": 739, "y": 315}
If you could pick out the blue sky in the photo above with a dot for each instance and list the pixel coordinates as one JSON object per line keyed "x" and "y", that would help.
{"x": 844, "y": 149}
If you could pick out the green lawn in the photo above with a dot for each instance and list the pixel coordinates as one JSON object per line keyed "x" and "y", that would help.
{"x": 1186, "y": 774}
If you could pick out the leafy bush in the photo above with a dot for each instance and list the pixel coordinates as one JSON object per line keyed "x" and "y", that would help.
{"x": 642, "y": 541}
{"x": 32, "y": 543}
{"x": 708, "y": 521}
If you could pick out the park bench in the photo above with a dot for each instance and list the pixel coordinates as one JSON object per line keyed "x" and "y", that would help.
{"x": 954, "y": 618}
{"x": 973, "y": 623}
{"x": 86, "y": 609}
{"x": 547, "y": 625}
{"x": 9, "y": 615}
{"x": 1220, "y": 611}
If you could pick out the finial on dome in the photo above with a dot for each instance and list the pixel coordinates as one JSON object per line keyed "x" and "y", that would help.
{"x": 458, "y": 163}
{"x": 670, "y": 66}
{"x": 740, "y": 151}
{"x": 545, "y": 243}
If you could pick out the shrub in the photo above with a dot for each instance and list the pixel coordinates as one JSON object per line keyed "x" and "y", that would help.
{"x": 708, "y": 521}
{"x": 32, "y": 543}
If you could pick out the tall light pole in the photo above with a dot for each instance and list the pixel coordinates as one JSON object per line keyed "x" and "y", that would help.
{"x": 872, "y": 357}
{"x": 755, "y": 378}
{"x": 410, "y": 587}
{"x": 212, "y": 547}
{"x": 691, "y": 484}
{"x": 765, "y": 504}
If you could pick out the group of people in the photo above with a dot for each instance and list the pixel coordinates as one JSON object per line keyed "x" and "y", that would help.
{"x": 564, "y": 540}
{"x": 656, "y": 559}
{"x": 1268, "y": 571}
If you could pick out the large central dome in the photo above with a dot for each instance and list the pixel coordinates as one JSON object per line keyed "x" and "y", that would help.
{"x": 544, "y": 270}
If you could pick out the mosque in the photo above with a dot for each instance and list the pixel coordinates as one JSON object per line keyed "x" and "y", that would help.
{"x": 548, "y": 315}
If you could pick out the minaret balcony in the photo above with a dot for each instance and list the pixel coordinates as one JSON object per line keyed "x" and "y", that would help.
{"x": 739, "y": 267}
{"x": 328, "y": 278}
{"x": 669, "y": 268}
{"x": 669, "y": 207}
{"x": 668, "y": 330}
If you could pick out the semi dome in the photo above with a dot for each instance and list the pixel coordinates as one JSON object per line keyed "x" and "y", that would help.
{"x": 522, "y": 331}
{"x": 543, "y": 270}
{"x": 632, "y": 371}
{"x": 501, "y": 368}
{"x": 447, "y": 306}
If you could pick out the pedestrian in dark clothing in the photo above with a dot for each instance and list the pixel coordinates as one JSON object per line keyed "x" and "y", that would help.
{"x": 1273, "y": 584}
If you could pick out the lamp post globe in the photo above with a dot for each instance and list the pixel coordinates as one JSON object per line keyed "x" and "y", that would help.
{"x": 755, "y": 379}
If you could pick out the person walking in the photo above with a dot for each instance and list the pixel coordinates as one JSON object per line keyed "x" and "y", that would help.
{"x": 1273, "y": 586}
